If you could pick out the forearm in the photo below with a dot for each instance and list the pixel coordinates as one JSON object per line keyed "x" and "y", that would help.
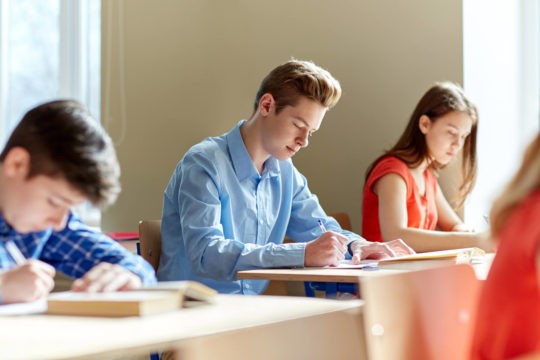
{"x": 221, "y": 260}
{"x": 433, "y": 240}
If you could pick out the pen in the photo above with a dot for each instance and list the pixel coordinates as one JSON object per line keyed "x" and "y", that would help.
{"x": 321, "y": 225}
{"x": 15, "y": 253}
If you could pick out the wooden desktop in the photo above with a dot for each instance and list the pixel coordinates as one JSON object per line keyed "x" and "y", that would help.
{"x": 236, "y": 326}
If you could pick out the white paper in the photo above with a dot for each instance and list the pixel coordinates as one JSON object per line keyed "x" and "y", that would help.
{"x": 348, "y": 264}
{"x": 34, "y": 307}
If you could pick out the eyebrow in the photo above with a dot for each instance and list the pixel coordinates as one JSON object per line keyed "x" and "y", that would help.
{"x": 63, "y": 199}
{"x": 298, "y": 117}
{"x": 456, "y": 128}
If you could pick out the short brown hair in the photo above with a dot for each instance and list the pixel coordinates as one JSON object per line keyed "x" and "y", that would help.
{"x": 64, "y": 140}
{"x": 296, "y": 78}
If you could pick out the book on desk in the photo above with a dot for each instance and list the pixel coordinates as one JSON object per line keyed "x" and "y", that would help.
{"x": 163, "y": 297}
{"x": 455, "y": 256}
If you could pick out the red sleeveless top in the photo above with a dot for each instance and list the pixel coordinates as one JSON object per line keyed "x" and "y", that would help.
{"x": 421, "y": 209}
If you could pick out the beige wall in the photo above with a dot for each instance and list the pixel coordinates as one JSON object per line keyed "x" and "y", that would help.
{"x": 190, "y": 69}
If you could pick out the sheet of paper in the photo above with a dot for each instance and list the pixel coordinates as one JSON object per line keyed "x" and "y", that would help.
{"x": 34, "y": 307}
{"x": 348, "y": 264}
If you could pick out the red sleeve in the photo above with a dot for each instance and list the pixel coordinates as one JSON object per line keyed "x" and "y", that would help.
{"x": 390, "y": 165}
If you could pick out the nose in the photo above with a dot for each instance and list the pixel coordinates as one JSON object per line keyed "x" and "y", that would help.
{"x": 458, "y": 142}
{"x": 58, "y": 220}
{"x": 303, "y": 139}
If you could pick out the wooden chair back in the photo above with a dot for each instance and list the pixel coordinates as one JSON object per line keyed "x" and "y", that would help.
{"x": 343, "y": 220}
{"x": 425, "y": 314}
{"x": 150, "y": 241}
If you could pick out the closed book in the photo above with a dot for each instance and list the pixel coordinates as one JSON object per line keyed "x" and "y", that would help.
{"x": 459, "y": 256}
{"x": 188, "y": 290}
{"x": 429, "y": 259}
{"x": 113, "y": 304}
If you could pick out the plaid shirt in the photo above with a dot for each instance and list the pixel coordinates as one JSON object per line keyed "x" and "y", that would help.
{"x": 73, "y": 251}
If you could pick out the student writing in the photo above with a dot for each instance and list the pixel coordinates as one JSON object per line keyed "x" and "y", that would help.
{"x": 58, "y": 157}
{"x": 233, "y": 198}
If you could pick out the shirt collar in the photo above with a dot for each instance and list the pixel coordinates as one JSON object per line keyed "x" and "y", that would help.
{"x": 242, "y": 163}
{"x": 5, "y": 228}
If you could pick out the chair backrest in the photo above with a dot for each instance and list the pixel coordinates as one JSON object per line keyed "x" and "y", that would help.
{"x": 343, "y": 220}
{"x": 150, "y": 241}
{"x": 425, "y": 314}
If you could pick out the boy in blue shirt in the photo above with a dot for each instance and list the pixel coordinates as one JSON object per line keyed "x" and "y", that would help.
{"x": 58, "y": 157}
{"x": 232, "y": 199}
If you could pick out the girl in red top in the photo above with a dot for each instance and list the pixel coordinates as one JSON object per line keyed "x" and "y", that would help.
{"x": 508, "y": 318}
{"x": 402, "y": 198}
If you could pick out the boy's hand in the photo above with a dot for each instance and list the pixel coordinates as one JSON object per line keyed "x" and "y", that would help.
{"x": 107, "y": 277}
{"x": 27, "y": 282}
{"x": 377, "y": 250}
{"x": 329, "y": 249}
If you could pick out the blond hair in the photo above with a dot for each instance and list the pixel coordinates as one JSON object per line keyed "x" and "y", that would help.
{"x": 296, "y": 78}
{"x": 525, "y": 181}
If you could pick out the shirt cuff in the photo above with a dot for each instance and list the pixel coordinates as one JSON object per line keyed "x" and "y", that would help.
{"x": 362, "y": 242}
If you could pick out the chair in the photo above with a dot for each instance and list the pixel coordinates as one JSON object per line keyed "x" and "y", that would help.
{"x": 425, "y": 314}
{"x": 150, "y": 249}
{"x": 150, "y": 241}
{"x": 343, "y": 220}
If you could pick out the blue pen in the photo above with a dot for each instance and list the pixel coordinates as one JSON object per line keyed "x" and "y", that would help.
{"x": 15, "y": 253}
{"x": 321, "y": 225}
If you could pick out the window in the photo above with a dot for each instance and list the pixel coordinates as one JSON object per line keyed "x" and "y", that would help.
{"x": 501, "y": 67}
{"x": 48, "y": 49}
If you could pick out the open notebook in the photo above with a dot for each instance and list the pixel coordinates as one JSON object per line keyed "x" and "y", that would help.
{"x": 457, "y": 256}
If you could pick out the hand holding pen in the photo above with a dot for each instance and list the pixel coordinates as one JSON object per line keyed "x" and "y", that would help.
{"x": 328, "y": 249}
{"x": 29, "y": 280}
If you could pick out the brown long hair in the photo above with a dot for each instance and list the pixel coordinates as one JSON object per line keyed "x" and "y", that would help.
{"x": 525, "y": 181}
{"x": 441, "y": 99}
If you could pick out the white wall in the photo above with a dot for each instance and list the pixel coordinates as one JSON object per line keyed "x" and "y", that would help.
{"x": 501, "y": 75}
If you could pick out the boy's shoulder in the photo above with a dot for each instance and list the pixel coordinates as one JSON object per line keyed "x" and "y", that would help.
{"x": 210, "y": 150}
{"x": 210, "y": 146}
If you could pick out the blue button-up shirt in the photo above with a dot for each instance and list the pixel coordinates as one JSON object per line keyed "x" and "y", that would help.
{"x": 73, "y": 251}
{"x": 220, "y": 216}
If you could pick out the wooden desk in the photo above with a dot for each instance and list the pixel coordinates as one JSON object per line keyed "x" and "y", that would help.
{"x": 352, "y": 275}
{"x": 262, "y": 327}
{"x": 312, "y": 274}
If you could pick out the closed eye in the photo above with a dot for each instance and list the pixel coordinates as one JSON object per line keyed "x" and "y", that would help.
{"x": 53, "y": 203}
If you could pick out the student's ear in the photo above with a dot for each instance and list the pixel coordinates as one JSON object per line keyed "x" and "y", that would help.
{"x": 16, "y": 164}
{"x": 266, "y": 104}
{"x": 424, "y": 123}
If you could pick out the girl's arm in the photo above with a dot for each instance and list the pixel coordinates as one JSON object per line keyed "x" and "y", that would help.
{"x": 448, "y": 220}
{"x": 392, "y": 192}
